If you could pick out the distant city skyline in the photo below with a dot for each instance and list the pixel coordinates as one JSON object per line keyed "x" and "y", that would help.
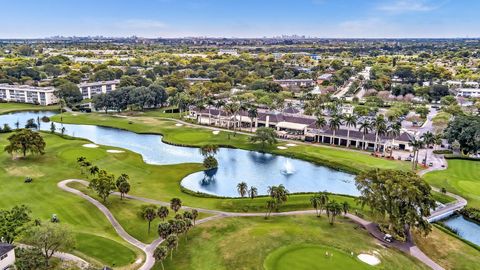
{"x": 241, "y": 18}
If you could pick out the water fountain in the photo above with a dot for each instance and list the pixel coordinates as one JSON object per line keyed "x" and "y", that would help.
{"x": 288, "y": 168}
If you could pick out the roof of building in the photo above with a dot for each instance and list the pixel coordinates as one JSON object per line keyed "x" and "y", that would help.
{"x": 5, "y": 248}
{"x": 24, "y": 87}
{"x": 99, "y": 83}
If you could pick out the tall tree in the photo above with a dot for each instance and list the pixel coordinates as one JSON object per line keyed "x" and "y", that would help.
{"x": 334, "y": 125}
{"x": 393, "y": 131}
{"x": 402, "y": 198}
{"x": 365, "y": 128}
{"x": 13, "y": 222}
{"x": 252, "y": 114}
{"x": 172, "y": 243}
{"x": 123, "y": 185}
{"x": 428, "y": 139}
{"x": 160, "y": 254}
{"x": 50, "y": 238}
{"x": 252, "y": 192}
{"x": 149, "y": 213}
{"x": 25, "y": 141}
{"x": 265, "y": 136}
{"x": 162, "y": 212}
{"x": 279, "y": 194}
{"x": 350, "y": 121}
{"x": 380, "y": 126}
{"x": 103, "y": 184}
{"x": 175, "y": 204}
{"x": 466, "y": 131}
{"x": 242, "y": 189}
{"x": 333, "y": 210}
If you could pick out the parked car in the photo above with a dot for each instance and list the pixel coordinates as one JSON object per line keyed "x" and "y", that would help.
{"x": 408, "y": 159}
{"x": 430, "y": 164}
{"x": 388, "y": 238}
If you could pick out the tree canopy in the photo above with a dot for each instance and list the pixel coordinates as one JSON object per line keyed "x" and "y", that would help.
{"x": 24, "y": 141}
{"x": 402, "y": 198}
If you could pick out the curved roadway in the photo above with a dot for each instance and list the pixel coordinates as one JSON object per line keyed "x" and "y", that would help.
{"x": 148, "y": 249}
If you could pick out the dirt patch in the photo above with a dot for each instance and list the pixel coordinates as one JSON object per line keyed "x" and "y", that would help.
{"x": 24, "y": 171}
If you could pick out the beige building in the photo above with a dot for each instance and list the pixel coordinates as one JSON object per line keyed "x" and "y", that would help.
{"x": 28, "y": 94}
{"x": 91, "y": 89}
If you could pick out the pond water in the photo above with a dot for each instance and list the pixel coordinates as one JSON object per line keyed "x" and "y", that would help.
{"x": 235, "y": 165}
{"x": 466, "y": 229}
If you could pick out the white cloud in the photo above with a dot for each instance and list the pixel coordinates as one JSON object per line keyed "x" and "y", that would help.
{"x": 403, "y": 6}
{"x": 142, "y": 24}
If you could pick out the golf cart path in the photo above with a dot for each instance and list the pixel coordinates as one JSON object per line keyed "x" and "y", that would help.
{"x": 148, "y": 249}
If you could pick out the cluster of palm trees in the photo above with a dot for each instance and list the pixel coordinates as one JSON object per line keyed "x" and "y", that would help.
{"x": 169, "y": 231}
{"x": 243, "y": 190}
{"x": 426, "y": 140}
{"x": 278, "y": 195}
{"x": 380, "y": 125}
{"x": 321, "y": 202}
{"x": 122, "y": 182}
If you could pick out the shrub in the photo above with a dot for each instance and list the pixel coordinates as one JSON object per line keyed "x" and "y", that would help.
{"x": 443, "y": 152}
{"x": 210, "y": 162}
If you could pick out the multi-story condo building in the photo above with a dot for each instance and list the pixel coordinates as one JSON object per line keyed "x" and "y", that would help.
{"x": 91, "y": 89}
{"x": 28, "y": 94}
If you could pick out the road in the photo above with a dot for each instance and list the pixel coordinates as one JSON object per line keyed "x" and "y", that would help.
{"x": 148, "y": 249}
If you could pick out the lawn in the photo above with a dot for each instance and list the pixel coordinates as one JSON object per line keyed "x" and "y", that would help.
{"x": 461, "y": 177}
{"x": 252, "y": 243}
{"x": 127, "y": 212}
{"x": 448, "y": 251}
{"x": 44, "y": 198}
{"x": 312, "y": 257}
{"x": 14, "y": 107}
{"x": 352, "y": 161}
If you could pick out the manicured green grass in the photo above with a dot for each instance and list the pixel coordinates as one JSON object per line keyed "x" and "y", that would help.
{"x": 448, "y": 251}
{"x": 13, "y": 107}
{"x": 245, "y": 243}
{"x": 312, "y": 257}
{"x": 127, "y": 212}
{"x": 352, "y": 161}
{"x": 461, "y": 177}
{"x": 44, "y": 198}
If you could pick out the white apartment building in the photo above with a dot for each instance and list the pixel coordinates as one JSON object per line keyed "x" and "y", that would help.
{"x": 28, "y": 94}
{"x": 91, "y": 89}
{"x": 468, "y": 92}
{"x": 7, "y": 256}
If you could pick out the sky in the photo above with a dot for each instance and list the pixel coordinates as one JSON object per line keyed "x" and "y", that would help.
{"x": 241, "y": 18}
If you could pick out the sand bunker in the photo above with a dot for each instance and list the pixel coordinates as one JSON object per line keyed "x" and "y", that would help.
{"x": 215, "y": 132}
{"x": 290, "y": 144}
{"x": 178, "y": 125}
{"x": 90, "y": 145}
{"x": 114, "y": 151}
{"x": 281, "y": 147}
{"x": 369, "y": 259}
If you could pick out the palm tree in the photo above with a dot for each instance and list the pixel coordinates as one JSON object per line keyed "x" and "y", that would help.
{"x": 333, "y": 209}
{"x": 320, "y": 123}
{"x": 160, "y": 254}
{"x": 428, "y": 139}
{"x": 323, "y": 200}
{"x": 175, "y": 204}
{"x": 230, "y": 109}
{"x": 365, "y": 128}
{"x": 315, "y": 202}
{"x": 271, "y": 204}
{"x": 253, "y": 114}
{"x": 219, "y": 104}
{"x": 279, "y": 194}
{"x": 241, "y": 108}
{"x": 194, "y": 215}
{"x": 393, "y": 130}
{"x": 334, "y": 125}
{"x": 350, "y": 121}
{"x": 437, "y": 140}
{"x": 123, "y": 188}
{"x": 200, "y": 106}
{"x": 172, "y": 242}
{"x": 210, "y": 103}
{"x": 252, "y": 192}
{"x": 163, "y": 212}
{"x": 242, "y": 189}
{"x": 93, "y": 170}
{"x": 149, "y": 213}
{"x": 416, "y": 145}
{"x": 345, "y": 207}
{"x": 380, "y": 126}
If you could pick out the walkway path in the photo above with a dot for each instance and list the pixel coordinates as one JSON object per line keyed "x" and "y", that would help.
{"x": 81, "y": 263}
{"x": 148, "y": 249}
